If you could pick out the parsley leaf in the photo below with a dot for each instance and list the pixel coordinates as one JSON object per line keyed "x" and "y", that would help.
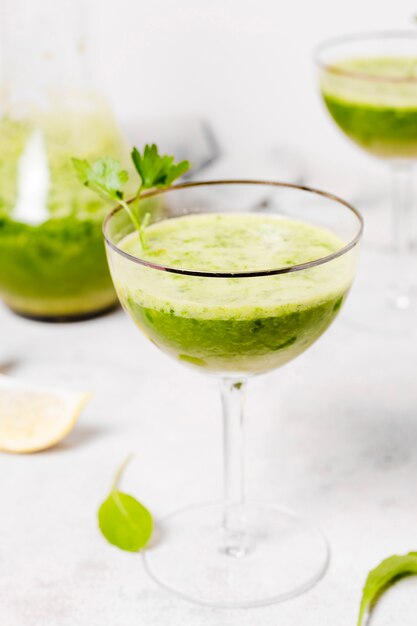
{"x": 156, "y": 170}
{"x": 105, "y": 176}
{"x": 382, "y": 577}
{"x": 124, "y": 521}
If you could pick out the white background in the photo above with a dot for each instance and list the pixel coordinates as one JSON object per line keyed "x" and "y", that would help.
{"x": 333, "y": 434}
{"x": 245, "y": 65}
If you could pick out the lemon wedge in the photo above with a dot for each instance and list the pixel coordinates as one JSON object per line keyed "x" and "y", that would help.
{"x": 34, "y": 418}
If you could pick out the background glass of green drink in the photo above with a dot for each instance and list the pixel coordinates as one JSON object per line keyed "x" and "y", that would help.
{"x": 205, "y": 291}
{"x": 369, "y": 85}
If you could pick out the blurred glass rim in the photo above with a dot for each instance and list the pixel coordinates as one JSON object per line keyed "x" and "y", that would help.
{"x": 334, "y": 42}
{"x": 283, "y": 270}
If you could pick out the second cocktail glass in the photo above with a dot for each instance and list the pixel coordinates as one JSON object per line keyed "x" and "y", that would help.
{"x": 369, "y": 85}
{"x": 237, "y": 278}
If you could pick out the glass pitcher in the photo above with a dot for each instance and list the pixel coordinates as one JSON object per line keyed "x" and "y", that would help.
{"x": 52, "y": 258}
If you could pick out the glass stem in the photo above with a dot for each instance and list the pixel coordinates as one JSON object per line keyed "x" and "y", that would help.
{"x": 403, "y": 231}
{"x": 233, "y": 397}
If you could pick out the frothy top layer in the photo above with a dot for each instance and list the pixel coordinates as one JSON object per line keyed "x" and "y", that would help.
{"x": 377, "y": 81}
{"x": 233, "y": 243}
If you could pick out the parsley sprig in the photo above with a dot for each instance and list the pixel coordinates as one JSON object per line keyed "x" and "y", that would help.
{"x": 106, "y": 177}
{"x": 155, "y": 170}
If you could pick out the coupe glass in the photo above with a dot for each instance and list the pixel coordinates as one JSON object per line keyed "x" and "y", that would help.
{"x": 369, "y": 85}
{"x": 236, "y": 553}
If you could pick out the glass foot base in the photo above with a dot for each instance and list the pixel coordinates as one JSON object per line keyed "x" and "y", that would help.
{"x": 284, "y": 556}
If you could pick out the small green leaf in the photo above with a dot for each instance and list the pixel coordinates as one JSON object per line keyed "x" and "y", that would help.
{"x": 382, "y": 577}
{"x": 82, "y": 168}
{"x": 156, "y": 170}
{"x": 104, "y": 176}
{"x": 176, "y": 171}
{"x": 124, "y": 521}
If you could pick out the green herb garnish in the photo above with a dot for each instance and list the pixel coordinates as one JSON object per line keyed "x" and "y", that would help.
{"x": 107, "y": 178}
{"x": 384, "y": 576}
{"x": 124, "y": 521}
{"x": 155, "y": 170}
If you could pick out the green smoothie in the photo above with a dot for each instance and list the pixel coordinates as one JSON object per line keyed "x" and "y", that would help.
{"x": 238, "y": 325}
{"x": 53, "y": 265}
{"x": 55, "y": 270}
{"x": 374, "y": 102}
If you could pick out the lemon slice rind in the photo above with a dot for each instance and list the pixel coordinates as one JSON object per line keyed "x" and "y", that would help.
{"x": 34, "y": 418}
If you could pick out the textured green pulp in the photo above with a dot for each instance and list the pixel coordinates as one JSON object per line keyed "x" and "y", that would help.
{"x": 58, "y": 268}
{"x": 237, "y": 325}
{"x": 374, "y": 102}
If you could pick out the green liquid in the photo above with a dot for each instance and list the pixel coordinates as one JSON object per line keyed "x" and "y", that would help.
{"x": 379, "y": 115}
{"x": 57, "y": 268}
{"x": 240, "y": 325}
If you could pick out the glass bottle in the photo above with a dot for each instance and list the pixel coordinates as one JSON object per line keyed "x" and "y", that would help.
{"x": 52, "y": 259}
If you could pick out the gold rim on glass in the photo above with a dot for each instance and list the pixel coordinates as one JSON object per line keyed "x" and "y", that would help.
{"x": 281, "y": 270}
{"x": 357, "y": 38}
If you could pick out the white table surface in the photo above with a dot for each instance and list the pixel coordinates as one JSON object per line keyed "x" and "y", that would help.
{"x": 333, "y": 434}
